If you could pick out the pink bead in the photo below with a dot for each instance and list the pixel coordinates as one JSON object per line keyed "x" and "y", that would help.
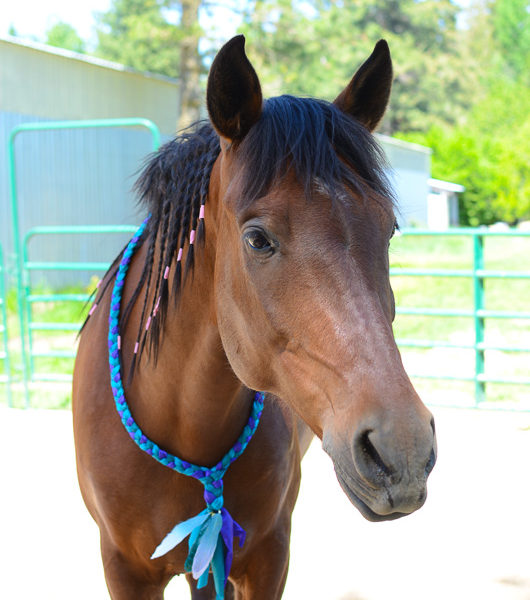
{"x": 157, "y": 305}
{"x": 119, "y": 342}
{"x": 179, "y": 257}
{"x": 148, "y": 323}
{"x": 192, "y": 236}
{"x": 166, "y": 273}
{"x": 136, "y": 346}
{"x": 201, "y": 212}
{"x": 92, "y": 309}
{"x": 98, "y": 283}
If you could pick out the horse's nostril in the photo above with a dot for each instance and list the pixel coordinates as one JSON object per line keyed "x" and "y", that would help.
{"x": 433, "y": 426}
{"x": 430, "y": 463}
{"x": 372, "y": 454}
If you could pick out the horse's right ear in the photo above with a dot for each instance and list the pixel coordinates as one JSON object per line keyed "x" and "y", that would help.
{"x": 233, "y": 95}
{"x": 366, "y": 96}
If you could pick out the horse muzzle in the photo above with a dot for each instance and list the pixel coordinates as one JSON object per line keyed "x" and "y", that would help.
{"x": 382, "y": 478}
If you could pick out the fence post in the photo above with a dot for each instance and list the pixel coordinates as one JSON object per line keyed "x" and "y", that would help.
{"x": 18, "y": 264}
{"x": 3, "y": 329}
{"x": 478, "y": 296}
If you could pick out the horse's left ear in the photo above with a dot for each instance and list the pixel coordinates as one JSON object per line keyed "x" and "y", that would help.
{"x": 366, "y": 96}
{"x": 233, "y": 95}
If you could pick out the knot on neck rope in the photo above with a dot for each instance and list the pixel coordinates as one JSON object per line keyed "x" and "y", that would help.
{"x": 211, "y": 532}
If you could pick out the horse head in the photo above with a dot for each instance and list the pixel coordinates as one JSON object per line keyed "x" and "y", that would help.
{"x": 303, "y": 297}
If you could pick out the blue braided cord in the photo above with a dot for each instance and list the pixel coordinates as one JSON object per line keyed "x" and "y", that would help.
{"x": 211, "y": 478}
{"x": 207, "y": 476}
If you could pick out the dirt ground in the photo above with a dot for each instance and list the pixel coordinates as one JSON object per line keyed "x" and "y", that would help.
{"x": 470, "y": 541}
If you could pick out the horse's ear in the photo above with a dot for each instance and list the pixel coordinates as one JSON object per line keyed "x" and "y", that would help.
{"x": 233, "y": 96}
{"x": 366, "y": 96}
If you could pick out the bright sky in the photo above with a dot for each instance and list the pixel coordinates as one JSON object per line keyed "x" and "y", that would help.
{"x": 32, "y": 18}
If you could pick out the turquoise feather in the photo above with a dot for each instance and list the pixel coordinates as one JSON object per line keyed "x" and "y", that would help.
{"x": 207, "y": 544}
{"x": 179, "y": 532}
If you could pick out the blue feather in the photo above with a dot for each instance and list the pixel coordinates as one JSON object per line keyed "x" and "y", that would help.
{"x": 207, "y": 545}
{"x": 179, "y": 532}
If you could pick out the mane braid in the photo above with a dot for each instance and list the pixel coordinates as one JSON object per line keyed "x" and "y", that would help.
{"x": 173, "y": 185}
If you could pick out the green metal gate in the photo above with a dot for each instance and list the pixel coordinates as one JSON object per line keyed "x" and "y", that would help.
{"x": 5, "y": 373}
{"x": 24, "y": 266}
{"x": 479, "y": 314}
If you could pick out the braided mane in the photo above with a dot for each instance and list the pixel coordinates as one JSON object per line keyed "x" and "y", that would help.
{"x": 173, "y": 186}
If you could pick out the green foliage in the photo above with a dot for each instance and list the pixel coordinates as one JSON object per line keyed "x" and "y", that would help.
{"x": 138, "y": 34}
{"x": 511, "y": 29}
{"x": 313, "y": 47}
{"x": 63, "y": 35}
{"x": 462, "y": 90}
{"x": 489, "y": 155}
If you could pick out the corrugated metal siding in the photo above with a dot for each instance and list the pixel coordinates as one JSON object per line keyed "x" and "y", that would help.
{"x": 71, "y": 177}
{"x": 49, "y": 85}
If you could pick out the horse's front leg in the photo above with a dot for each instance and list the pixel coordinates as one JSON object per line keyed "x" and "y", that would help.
{"x": 266, "y": 570}
{"x": 125, "y": 580}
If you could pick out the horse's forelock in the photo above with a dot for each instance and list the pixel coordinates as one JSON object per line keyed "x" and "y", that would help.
{"x": 319, "y": 142}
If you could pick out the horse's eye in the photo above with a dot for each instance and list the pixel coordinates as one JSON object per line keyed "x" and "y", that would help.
{"x": 257, "y": 241}
{"x": 394, "y": 229}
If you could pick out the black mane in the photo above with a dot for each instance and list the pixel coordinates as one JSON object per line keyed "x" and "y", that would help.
{"x": 321, "y": 143}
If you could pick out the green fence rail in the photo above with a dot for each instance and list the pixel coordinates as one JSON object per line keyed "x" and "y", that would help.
{"x": 23, "y": 266}
{"x": 479, "y": 313}
{"x": 30, "y": 298}
{"x": 5, "y": 376}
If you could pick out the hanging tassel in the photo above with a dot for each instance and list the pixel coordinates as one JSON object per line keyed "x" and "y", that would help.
{"x": 206, "y": 546}
{"x": 210, "y": 545}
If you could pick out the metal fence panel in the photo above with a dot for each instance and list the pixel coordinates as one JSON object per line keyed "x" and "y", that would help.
{"x": 479, "y": 314}
{"x": 49, "y": 257}
{"x": 72, "y": 176}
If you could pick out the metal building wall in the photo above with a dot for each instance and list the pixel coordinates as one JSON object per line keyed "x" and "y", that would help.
{"x": 51, "y": 83}
{"x": 411, "y": 170}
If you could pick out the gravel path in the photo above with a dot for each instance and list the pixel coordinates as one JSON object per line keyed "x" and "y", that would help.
{"x": 470, "y": 541}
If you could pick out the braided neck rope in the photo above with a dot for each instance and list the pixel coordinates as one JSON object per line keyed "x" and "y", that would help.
{"x": 213, "y": 530}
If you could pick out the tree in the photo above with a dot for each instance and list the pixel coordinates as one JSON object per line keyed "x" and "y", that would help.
{"x": 511, "y": 28}
{"x": 63, "y": 35}
{"x": 312, "y": 47}
{"x": 161, "y": 36}
{"x": 191, "y": 93}
{"x": 489, "y": 155}
{"x": 136, "y": 33}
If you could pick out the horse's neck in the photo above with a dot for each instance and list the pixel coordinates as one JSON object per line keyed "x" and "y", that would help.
{"x": 191, "y": 402}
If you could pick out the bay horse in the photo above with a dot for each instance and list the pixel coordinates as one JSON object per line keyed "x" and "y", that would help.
{"x": 259, "y": 285}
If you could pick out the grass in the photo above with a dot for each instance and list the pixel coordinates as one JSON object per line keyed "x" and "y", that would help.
{"x": 406, "y": 252}
{"x": 45, "y": 394}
